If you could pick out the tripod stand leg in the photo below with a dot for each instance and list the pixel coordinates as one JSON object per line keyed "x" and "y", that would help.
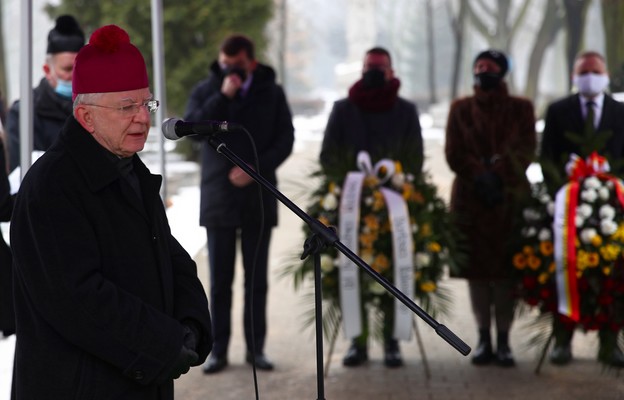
{"x": 421, "y": 348}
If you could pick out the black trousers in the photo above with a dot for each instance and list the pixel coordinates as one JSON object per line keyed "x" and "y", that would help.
{"x": 222, "y": 256}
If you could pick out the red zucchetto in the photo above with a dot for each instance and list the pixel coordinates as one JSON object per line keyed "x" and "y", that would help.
{"x": 109, "y": 63}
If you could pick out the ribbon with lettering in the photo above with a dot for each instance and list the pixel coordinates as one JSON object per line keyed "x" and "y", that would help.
{"x": 402, "y": 246}
{"x": 564, "y": 226}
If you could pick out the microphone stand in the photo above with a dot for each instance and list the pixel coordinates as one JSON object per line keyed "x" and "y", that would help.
{"x": 322, "y": 237}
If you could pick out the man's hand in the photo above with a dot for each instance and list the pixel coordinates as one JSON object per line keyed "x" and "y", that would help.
{"x": 231, "y": 84}
{"x": 239, "y": 178}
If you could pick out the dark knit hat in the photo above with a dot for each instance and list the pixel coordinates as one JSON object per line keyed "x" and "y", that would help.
{"x": 65, "y": 36}
{"x": 497, "y": 56}
{"x": 109, "y": 63}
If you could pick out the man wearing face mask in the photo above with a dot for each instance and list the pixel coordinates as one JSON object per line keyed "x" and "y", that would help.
{"x": 570, "y": 116}
{"x": 52, "y": 99}
{"x": 373, "y": 118}
{"x": 242, "y": 90}
{"x": 598, "y": 119}
{"x": 490, "y": 140}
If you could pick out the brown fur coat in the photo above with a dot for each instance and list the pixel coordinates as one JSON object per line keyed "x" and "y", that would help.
{"x": 490, "y": 131}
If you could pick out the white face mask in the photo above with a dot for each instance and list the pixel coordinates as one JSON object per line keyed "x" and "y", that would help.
{"x": 591, "y": 84}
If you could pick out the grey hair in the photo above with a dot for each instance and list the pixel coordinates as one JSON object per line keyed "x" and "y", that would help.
{"x": 86, "y": 98}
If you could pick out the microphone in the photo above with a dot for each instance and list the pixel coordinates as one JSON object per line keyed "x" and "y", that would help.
{"x": 175, "y": 128}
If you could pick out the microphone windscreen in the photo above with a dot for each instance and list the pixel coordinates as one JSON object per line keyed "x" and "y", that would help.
{"x": 168, "y": 128}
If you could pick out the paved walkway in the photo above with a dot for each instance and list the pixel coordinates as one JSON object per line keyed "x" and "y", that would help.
{"x": 292, "y": 347}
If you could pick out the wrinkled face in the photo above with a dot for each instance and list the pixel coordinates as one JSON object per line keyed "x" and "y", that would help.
{"x": 486, "y": 65}
{"x": 59, "y": 66}
{"x": 116, "y": 122}
{"x": 590, "y": 65}
{"x": 380, "y": 62}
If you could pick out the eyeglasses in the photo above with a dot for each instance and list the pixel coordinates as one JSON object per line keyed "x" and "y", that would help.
{"x": 133, "y": 108}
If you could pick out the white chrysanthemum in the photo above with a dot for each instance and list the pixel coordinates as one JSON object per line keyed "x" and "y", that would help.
{"x": 550, "y": 208}
{"x": 369, "y": 201}
{"x": 606, "y": 212}
{"x": 430, "y": 207}
{"x": 579, "y": 221}
{"x": 337, "y": 190}
{"x": 367, "y": 257}
{"x": 544, "y": 234}
{"x": 414, "y": 228}
{"x": 330, "y": 202}
{"x": 587, "y": 235}
{"x": 376, "y": 288}
{"x": 589, "y": 195}
{"x": 398, "y": 180}
{"x": 608, "y": 227}
{"x": 604, "y": 193}
{"x": 592, "y": 183}
{"x": 609, "y": 184}
{"x": 544, "y": 198}
{"x": 422, "y": 260}
{"x": 529, "y": 232}
{"x": 530, "y": 214}
{"x": 584, "y": 210}
{"x": 327, "y": 263}
{"x": 410, "y": 177}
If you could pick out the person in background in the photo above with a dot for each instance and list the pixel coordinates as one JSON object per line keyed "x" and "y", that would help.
{"x": 241, "y": 90}
{"x": 108, "y": 304}
{"x": 52, "y": 98}
{"x": 373, "y": 118}
{"x": 490, "y": 141}
{"x": 7, "y": 315}
{"x": 598, "y": 120}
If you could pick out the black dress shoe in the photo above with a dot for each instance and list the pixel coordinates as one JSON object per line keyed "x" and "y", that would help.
{"x": 504, "y": 358}
{"x": 355, "y": 356}
{"x": 561, "y": 354}
{"x": 392, "y": 354}
{"x": 260, "y": 361}
{"x": 214, "y": 364}
{"x": 483, "y": 355}
{"x": 615, "y": 359}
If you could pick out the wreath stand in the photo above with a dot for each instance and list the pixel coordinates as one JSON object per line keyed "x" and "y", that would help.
{"x": 323, "y": 237}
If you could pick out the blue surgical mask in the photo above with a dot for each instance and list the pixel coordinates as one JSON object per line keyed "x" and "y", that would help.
{"x": 63, "y": 88}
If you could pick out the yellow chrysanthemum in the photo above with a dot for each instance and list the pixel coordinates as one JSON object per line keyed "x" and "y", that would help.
{"x": 398, "y": 168}
{"x": 596, "y": 241}
{"x": 528, "y": 250}
{"x": 534, "y": 262}
{"x": 425, "y": 230}
{"x": 606, "y": 271}
{"x": 381, "y": 263}
{"x": 372, "y": 222}
{"x": 543, "y": 278}
{"x": 371, "y": 181}
{"x": 434, "y": 247}
{"x": 519, "y": 261}
{"x": 331, "y": 187}
{"x": 593, "y": 259}
{"x": 367, "y": 240}
{"x": 546, "y": 248}
{"x": 428, "y": 286}
{"x": 323, "y": 220}
{"x": 552, "y": 267}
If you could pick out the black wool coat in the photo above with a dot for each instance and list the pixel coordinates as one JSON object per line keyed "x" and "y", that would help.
{"x": 565, "y": 116}
{"x": 101, "y": 286}
{"x": 265, "y": 113}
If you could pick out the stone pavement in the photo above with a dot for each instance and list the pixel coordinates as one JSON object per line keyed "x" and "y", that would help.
{"x": 452, "y": 376}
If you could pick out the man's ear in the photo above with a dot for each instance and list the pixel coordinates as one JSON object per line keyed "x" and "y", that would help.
{"x": 84, "y": 116}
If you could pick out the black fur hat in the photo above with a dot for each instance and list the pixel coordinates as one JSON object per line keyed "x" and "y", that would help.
{"x": 65, "y": 36}
{"x": 497, "y": 56}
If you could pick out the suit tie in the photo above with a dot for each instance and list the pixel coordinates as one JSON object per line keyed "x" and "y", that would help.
{"x": 589, "y": 118}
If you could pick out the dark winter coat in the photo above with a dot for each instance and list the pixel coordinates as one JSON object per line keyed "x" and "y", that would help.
{"x": 102, "y": 288}
{"x": 264, "y": 112}
{"x": 394, "y": 134}
{"x": 7, "y": 315}
{"x": 49, "y": 112}
{"x": 488, "y": 133}
{"x": 565, "y": 116}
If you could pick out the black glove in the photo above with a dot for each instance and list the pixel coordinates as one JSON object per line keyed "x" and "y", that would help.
{"x": 489, "y": 188}
{"x": 185, "y": 359}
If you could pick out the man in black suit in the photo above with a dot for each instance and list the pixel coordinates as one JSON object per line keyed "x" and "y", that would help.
{"x": 587, "y": 121}
{"x": 567, "y": 129}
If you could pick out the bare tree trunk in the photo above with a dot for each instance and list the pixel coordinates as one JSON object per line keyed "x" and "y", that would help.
{"x": 576, "y": 11}
{"x": 612, "y": 17}
{"x": 458, "y": 23}
{"x": 3, "y": 71}
{"x": 551, "y": 24}
{"x": 433, "y": 98}
{"x": 283, "y": 41}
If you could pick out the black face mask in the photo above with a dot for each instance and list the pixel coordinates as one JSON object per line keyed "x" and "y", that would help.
{"x": 487, "y": 80}
{"x": 235, "y": 70}
{"x": 373, "y": 78}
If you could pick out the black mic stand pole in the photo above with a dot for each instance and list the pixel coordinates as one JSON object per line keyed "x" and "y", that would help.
{"x": 322, "y": 237}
